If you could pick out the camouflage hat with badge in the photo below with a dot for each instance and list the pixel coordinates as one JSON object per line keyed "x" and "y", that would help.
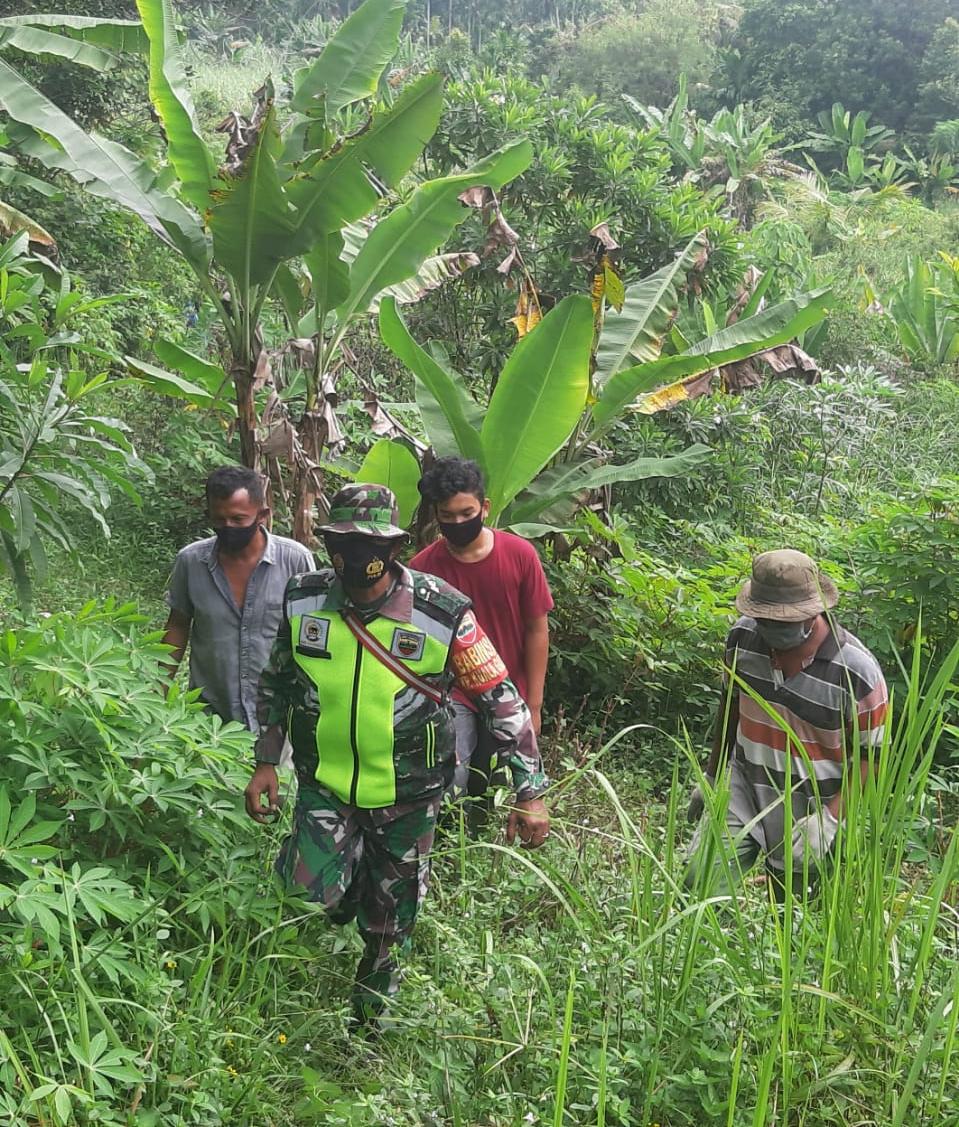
{"x": 367, "y": 509}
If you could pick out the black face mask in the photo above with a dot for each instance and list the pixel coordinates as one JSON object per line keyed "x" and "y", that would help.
{"x": 359, "y": 562}
{"x": 231, "y": 539}
{"x": 462, "y": 532}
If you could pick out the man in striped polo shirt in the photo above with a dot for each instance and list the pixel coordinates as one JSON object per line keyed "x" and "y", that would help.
{"x": 809, "y": 699}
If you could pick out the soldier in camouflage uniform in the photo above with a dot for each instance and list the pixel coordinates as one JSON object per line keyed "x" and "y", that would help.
{"x": 359, "y": 680}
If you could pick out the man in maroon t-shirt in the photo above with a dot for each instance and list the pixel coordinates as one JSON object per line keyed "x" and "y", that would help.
{"x": 502, "y": 575}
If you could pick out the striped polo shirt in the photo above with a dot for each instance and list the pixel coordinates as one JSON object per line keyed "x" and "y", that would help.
{"x": 837, "y": 702}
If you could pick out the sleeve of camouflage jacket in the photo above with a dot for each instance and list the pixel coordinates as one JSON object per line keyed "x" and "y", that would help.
{"x": 480, "y": 673}
{"x": 273, "y": 699}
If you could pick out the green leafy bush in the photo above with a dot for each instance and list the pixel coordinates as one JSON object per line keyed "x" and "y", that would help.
{"x": 122, "y": 836}
{"x": 636, "y": 637}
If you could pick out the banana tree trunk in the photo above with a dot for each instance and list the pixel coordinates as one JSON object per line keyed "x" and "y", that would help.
{"x": 312, "y": 433}
{"x": 243, "y": 384}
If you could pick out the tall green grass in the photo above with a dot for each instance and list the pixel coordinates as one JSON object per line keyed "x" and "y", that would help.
{"x": 577, "y": 986}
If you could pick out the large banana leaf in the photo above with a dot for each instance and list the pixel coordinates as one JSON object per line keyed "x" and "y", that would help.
{"x": 392, "y": 464}
{"x": 105, "y": 168}
{"x": 204, "y": 374}
{"x": 329, "y": 277}
{"x": 12, "y": 177}
{"x": 167, "y": 383}
{"x": 399, "y": 244}
{"x": 774, "y": 326}
{"x": 558, "y": 482}
{"x": 435, "y": 271}
{"x": 330, "y": 191}
{"x": 13, "y": 220}
{"x": 351, "y": 63}
{"x": 38, "y": 41}
{"x": 397, "y": 136}
{"x": 251, "y": 219}
{"x": 650, "y": 305}
{"x": 171, "y": 99}
{"x": 540, "y": 395}
{"x": 113, "y": 35}
{"x": 454, "y": 428}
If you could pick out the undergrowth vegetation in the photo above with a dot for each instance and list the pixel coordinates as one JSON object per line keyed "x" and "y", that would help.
{"x": 158, "y": 974}
{"x": 153, "y": 970}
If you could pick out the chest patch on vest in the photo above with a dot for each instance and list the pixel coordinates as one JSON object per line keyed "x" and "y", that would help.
{"x": 314, "y": 633}
{"x": 408, "y": 644}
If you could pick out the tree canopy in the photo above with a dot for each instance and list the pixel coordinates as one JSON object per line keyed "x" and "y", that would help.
{"x": 799, "y": 57}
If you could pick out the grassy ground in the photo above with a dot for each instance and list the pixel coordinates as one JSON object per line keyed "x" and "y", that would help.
{"x": 579, "y": 985}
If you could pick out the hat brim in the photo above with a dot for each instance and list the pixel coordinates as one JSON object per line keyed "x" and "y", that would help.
{"x": 365, "y": 528}
{"x": 825, "y": 599}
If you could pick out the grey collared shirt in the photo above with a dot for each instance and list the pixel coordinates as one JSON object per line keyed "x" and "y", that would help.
{"x": 230, "y": 645}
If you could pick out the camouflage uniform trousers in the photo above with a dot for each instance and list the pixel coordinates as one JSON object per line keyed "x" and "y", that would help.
{"x": 369, "y": 865}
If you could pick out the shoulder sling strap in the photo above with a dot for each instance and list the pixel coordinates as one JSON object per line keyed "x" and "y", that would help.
{"x": 374, "y": 647}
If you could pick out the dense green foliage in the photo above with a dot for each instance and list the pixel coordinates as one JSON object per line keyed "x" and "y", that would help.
{"x": 153, "y": 973}
{"x": 883, "y": 56}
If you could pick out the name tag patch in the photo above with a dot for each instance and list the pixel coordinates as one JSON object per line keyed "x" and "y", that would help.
{"x": 314, "y": 633}
{"x": 408, "y": 644}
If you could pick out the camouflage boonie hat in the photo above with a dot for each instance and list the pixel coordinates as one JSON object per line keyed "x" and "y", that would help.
{"x": 368, "y": 509}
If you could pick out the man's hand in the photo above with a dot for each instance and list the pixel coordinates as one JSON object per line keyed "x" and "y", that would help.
{"x": 694, "y": 811}
{"x": 264, "y": 782}
{"x": 814, "y": 834}
{"x": 536, "y": 715}
{"x": 531, "y": 819}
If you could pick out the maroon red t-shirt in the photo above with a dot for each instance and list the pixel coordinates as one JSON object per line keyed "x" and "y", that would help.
{"x": 507, "y": 589}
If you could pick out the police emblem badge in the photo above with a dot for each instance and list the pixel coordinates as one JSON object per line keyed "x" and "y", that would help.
{"x": 314, "y": 633}
{"x": 408, "y": 644}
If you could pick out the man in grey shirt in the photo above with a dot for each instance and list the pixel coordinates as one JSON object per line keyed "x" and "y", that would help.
{"x": 226, "y": 595}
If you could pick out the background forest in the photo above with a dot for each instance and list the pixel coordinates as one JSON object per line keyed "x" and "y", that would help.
{"x": 717, "y": 245}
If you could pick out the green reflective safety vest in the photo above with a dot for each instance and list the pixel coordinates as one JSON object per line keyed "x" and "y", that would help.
{"x": 376, "y": 740}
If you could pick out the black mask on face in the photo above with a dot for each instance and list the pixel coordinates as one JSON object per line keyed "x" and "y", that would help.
{"x": 462, "y": 532}
{"x": 358, "y": 561}
{"x": 231, "y": 539}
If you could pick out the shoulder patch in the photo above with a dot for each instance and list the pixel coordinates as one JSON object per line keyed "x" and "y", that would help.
{"x": 408, "y": 644}
{"x": 438, "y": 599}
{"x": 466, "y": 631}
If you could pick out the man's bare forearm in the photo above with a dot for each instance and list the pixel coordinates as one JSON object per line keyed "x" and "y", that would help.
{"x": 177, "y": 636}
{"x": 537, "y": 658}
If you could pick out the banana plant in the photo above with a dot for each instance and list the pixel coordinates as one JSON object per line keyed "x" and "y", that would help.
{"x": 539, "y": 439}
{"x": 842, "y": 132}
{"x": 925, "y": 311}
{"x": 269, "y": 222}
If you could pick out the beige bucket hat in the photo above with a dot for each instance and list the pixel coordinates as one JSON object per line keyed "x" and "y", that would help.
{"x": 786, "y": 586}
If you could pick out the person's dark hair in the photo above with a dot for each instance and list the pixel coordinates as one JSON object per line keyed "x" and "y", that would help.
{"x": 224, "y": 481}
{"x": 449, "y": 476}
